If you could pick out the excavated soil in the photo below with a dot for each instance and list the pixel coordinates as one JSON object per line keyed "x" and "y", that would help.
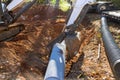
{"x": 25, "y": 57}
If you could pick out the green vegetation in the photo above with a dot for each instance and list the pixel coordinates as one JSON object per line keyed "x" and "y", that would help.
{"x": 64, "y": 5}
{"x": 40, "y": 1}
{"x": 53, "y": 2}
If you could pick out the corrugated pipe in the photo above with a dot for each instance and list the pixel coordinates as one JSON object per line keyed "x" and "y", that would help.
{"x": 112, "y": 49}
{"x": 56, "y": 65}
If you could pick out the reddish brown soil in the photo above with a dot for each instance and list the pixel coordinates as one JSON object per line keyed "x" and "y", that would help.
{"x": 26, "y": 56}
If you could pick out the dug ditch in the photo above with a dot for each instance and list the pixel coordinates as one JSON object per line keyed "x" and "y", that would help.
{"x": 26, "y": 56}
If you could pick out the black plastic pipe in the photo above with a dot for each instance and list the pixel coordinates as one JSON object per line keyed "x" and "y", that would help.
{"x": 111, "y": 48}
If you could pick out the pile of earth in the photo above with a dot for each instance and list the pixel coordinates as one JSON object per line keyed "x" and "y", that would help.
{"x": 26, "y": 55}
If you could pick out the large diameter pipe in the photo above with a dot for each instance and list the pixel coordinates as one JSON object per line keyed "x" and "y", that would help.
{"x": 112, "y": 49}
{"x": 56, "y": 65}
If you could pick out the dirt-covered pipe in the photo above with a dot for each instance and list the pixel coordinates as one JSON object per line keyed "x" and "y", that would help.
{"x": 56, "y": 65}
{"x": 112, "y": 49}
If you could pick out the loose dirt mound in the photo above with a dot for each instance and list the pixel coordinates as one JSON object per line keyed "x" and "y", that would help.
{"x": 26, "y": 55}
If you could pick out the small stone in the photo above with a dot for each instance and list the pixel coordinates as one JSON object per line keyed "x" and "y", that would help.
{"x": 20, "y": 78}
{"x": 2, "y": 76}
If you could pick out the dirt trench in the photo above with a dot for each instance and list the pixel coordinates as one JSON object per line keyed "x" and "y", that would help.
{"x": 25, "y": 57}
